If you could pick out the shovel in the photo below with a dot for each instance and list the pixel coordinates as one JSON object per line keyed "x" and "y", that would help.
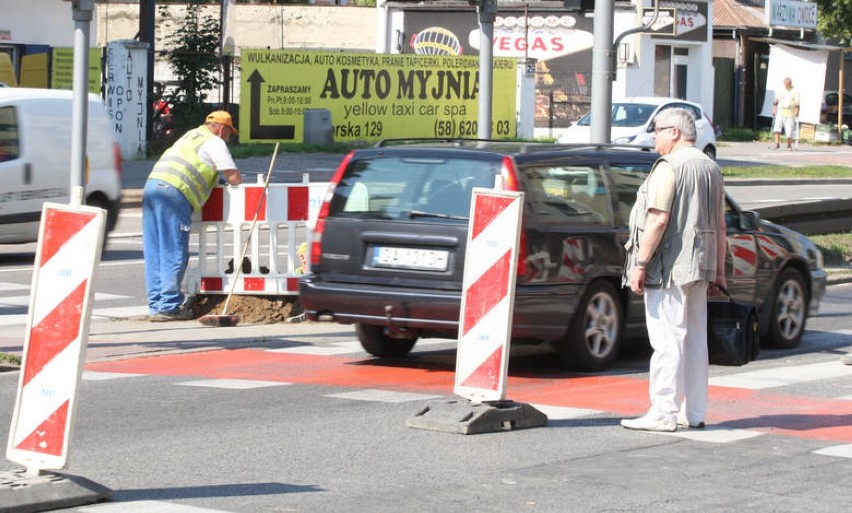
{"x": 223, "y": 319}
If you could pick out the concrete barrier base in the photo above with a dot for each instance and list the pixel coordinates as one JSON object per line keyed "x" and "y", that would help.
{"x": 466, "y": 418}
{"x": 20, "y": 493}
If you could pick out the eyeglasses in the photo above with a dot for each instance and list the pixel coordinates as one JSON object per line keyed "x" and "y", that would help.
{"x": 661, "y": 128}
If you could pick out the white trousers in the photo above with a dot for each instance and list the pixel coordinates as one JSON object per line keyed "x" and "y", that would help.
{"x": 677, "y": 327}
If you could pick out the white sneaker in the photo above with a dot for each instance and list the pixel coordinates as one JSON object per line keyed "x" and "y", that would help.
{"x": 650, "y": 423}
{"x": 682, "y": 422}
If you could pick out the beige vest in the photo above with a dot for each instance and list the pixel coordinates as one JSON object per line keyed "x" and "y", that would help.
{"x": 688, "y": 249}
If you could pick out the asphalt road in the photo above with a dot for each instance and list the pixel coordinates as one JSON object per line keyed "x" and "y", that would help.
{"x": 297, "y": 418}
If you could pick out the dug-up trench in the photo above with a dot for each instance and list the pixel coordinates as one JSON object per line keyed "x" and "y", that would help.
{"x": 252, "y": 309}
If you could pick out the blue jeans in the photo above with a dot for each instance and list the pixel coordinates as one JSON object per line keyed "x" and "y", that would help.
{"x": 166, "y": 221}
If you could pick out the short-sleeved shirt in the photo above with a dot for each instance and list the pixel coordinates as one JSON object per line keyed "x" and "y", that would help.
{"x": 661, "y": 187}
{"x": 788, "y": 100}
{"x": 214, "y": 152}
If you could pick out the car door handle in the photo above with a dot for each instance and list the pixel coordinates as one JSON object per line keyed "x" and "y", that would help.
{"x": 28, "y": 173}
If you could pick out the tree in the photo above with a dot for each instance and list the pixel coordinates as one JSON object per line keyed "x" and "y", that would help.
{"x": 835, "y": 20}
{"x": 193, "y": 55}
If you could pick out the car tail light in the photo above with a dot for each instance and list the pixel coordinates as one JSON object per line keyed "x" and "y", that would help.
{"x": 319, "y": 228}
{"x": 509, "y": 173}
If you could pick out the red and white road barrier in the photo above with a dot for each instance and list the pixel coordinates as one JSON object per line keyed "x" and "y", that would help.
{"x": 69, "y": 249}
{"x": 285, "y": 221}
{"x": 488, "y": 292}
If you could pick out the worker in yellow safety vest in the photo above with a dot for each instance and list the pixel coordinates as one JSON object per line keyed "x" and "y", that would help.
{"x": 179, "y": 185}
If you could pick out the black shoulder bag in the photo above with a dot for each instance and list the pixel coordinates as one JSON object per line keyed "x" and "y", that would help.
{"x": 732, "y": 331}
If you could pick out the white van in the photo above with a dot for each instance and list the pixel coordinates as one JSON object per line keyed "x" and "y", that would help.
{"x": 35, "y": 159}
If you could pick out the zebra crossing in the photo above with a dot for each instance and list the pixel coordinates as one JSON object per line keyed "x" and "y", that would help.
{"x": 15, "y": 300}
{"x": 746, "y": 394}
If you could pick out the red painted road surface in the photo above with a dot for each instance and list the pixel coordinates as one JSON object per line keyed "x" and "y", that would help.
{"x": 758, "y": 410}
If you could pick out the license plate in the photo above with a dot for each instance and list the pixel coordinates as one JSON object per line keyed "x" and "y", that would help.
{"x": 411, "y": 258}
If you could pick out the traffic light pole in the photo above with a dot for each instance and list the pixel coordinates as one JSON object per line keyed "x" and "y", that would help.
{"x": 487, "y": 10}
{"x": 602, "y": 73}
{"x": 82, "y": 14}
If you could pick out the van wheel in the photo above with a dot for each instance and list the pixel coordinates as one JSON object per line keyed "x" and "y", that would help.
{"x": 99, "y": 202}
{"x": 376, "y": 341}
{"x": 710, "y": 152}
{"x": 788, "y": 311}
{"x": 594, "y": 335}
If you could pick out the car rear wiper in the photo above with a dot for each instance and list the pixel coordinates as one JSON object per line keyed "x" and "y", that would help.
{"x": 420, "y": 213}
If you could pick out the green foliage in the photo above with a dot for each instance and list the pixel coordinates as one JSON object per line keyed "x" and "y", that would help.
{"x": 737, "y": 134}
{"x": 835, "y": 20}
{"x": 9, "y": 359}
{"x": 836, "y": 248}
{"x": 787, "y": 172}
{"x": 193, "y": 54}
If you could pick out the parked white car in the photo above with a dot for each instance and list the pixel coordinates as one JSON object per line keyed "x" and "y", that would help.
{"x": 632, "y": 123}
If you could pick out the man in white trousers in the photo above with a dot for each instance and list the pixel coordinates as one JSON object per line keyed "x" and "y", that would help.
{"x": 676, "y": 256}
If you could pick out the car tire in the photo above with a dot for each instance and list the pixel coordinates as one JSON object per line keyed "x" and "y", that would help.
{"x": 375, "y": 340}
{"x": 710, "y": 152}
{"x": 594, "y": 335}
{"x": 788, "y": 311}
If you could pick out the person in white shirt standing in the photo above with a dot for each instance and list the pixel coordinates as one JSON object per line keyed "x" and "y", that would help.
{"x": 676, "y": 256}
{"x": 785, "y": 110}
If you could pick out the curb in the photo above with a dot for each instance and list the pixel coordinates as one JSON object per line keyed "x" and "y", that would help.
{"x": 131, "y": 198}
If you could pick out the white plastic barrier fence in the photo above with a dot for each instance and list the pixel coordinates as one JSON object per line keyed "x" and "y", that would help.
{"x": 272, "y": 265}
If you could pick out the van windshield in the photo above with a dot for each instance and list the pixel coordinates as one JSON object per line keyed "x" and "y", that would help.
{"x": 411, "y": 188}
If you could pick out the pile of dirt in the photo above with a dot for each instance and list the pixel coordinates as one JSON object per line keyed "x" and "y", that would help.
{"x": 251, "y": 309}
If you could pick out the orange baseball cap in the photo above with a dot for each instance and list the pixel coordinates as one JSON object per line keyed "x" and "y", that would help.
{"x": 222, "y": 117}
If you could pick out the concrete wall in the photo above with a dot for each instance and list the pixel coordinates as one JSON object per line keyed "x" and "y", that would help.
{"x": 259, "y": 26}
{"x": 255, "y": 26}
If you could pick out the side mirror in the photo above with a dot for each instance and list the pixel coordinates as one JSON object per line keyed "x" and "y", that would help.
{"x": 749, "y": 220}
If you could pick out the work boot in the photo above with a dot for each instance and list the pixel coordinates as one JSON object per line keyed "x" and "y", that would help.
{"x": 181, "y": 314}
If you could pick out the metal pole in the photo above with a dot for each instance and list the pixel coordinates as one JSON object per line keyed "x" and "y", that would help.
{"x": 487, "y": 10}
{"x": 147, "y": 22}
{"x": 840, "y": 98}
{"x": 82, "y": 14}
{"x": 602, "y": 73}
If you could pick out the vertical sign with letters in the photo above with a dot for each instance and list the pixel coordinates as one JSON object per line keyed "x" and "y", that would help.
{"x": 126, "y": 94}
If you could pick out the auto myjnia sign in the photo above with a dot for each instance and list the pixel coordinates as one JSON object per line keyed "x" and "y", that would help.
{"x": 370, "y": 96}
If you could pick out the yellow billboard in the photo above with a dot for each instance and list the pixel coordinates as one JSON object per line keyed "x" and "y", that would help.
{"x": 370, "y": 96}
{"x": 62, "y": 76}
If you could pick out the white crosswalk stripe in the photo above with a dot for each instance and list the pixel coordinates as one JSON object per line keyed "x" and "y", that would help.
{"x": 145, "y": 507}
{"x": 351, "y": 347}
{"x": 20, "y": 302}
{"x": 235, "y": 384}
{"x": 842, "y": 451}
{"x": 103, "y": 376}
{"x": 782, "y": 376}
{"x": 383, "y": 396}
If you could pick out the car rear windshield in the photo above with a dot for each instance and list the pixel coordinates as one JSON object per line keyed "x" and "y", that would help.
{"x": 411, "y": 188}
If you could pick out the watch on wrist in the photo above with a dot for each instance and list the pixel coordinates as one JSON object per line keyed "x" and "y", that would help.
{"x": 640, "y": 263}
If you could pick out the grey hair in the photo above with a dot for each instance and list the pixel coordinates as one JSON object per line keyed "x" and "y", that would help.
{"x": 681, "y": 119}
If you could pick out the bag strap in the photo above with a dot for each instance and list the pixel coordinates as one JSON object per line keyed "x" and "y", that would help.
{"x": 725, "y": 291}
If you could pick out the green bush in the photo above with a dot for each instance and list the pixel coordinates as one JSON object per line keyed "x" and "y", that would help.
{"x": 737, "y": 134}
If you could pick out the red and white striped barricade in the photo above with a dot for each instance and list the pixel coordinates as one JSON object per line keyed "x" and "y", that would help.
{"x": 69, "y": 248}
{"x": 488, "y": 292}
{"x": 285, "y": 220}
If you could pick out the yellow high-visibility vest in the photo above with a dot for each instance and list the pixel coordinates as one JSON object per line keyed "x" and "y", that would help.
{"x": 181, "y": 167}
